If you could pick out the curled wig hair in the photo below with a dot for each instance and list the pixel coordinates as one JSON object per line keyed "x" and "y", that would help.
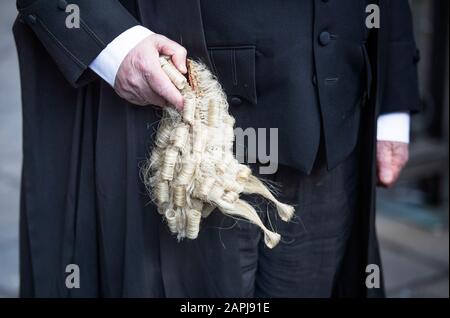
{"x": 192, "y": 169}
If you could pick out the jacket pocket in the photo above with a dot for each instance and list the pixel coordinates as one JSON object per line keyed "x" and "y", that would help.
{"x": 235, "y": 69}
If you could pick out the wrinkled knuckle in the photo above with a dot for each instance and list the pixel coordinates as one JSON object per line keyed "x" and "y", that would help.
{"x": 144, "y": 67}
{"x": 133, "y": 82}
{"x": 139, "y": 62}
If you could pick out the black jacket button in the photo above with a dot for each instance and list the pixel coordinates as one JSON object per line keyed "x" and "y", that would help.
{"x": 324, "y": 38}
{"x": 31, "y": 18}
{"x": 235, "y": 101}
{"x": 62, "y": 4}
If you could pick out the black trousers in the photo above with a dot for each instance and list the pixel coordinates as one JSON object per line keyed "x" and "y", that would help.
{"x": 307, "y": 260}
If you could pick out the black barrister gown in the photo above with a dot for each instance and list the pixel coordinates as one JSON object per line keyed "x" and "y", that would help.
{"x": 83, "y": 201}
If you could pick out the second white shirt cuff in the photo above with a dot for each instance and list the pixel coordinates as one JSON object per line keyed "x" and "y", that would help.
{"x": 393, "y": 127}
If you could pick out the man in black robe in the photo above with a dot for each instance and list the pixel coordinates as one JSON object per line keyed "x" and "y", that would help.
{"x": 312, "y": 69}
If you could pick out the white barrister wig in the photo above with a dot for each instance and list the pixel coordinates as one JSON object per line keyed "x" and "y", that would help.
{"x": 192, "y": 169}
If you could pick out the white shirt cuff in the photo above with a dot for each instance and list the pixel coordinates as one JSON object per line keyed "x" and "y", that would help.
{"x": 393, "y": 127}
{"x": 107, "y": 63}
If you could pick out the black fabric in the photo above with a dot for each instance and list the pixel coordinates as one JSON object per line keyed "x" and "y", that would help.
{"x": 307, "y": 261}
{"x": 281, "y": 46}
{"x": 402, "y": 56}
{"x": 82, "y": 198}
{"x": 73, "y": 49}
{"x": 300, "y": 79}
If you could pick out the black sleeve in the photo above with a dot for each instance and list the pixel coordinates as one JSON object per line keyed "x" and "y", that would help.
{"x": 73, "y": 49}
{"x": 401, "y": 87}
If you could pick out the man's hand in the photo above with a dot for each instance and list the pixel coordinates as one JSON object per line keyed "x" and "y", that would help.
{"x": 392, "y": 156}
{"x": 140, "y": 79}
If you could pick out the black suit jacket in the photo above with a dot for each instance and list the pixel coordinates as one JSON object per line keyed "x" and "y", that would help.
{"x": 82, "y": 199}
{"x": 295, "y": 65}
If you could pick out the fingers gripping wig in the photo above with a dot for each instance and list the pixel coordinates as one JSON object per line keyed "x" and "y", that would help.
{"x": 192, "y": 169}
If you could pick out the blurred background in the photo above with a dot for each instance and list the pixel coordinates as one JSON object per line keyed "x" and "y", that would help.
{"x": 412, "y": 217}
